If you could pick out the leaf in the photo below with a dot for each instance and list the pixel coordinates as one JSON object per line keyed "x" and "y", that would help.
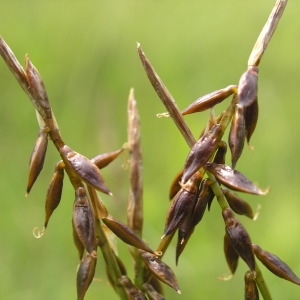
{"x": 233, "y": 179}
{"x": 275, "y": 265}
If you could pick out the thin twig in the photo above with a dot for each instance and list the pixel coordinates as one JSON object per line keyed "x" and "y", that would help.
{"x": 266, "y": 33}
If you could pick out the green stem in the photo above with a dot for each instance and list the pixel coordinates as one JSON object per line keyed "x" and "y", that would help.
{"x": 263, "y": 288}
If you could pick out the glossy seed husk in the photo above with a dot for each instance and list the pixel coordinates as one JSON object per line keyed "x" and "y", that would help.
{"x": 232, "y": 257}
{"x": 104, "y": 159}
{"x": 220, "y": 155}
{"x": 152, "y": 293}
{"x": 182, "y": 204}
{"x": 125, "y": 233}
{"x": 237, "y": 133}
{"x": 175, "y": 185}
{"x": 132, "y": 292}
{"x": 54, "y": 192}
{"x": 233, "y": 179}
{"x": 85, "y": 169}
{"x": 37, "y": 158}
{"x": 251, "y": 291}
{"x": 84, "y": 220}
{"x": 85, "y": 273}
{"x": 159, "y": 269}
{"x": 202, "y": 151}
{"x": 247, "y": 87}
{"x": 251, "y": 117}
{"x": 208, "y": 101}
{"x": 239, "y": 237}
{"x": 237, "y": 204}
{"x": 275, "y": 265}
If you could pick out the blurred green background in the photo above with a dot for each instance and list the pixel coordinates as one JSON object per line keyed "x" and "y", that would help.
{"x": 86, "y": 53}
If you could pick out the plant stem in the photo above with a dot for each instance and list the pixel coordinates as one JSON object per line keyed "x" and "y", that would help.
{"x": 259, "y": 279}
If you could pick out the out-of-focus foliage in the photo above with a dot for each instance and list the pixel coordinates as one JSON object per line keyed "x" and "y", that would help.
{"x": 86, "y": 54}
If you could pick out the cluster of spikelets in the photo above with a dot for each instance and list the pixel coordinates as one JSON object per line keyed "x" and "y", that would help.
{"x": 204, "y": 176}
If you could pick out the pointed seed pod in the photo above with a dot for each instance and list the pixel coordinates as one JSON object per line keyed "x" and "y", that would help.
{"x": 54, "y": 192}
{"x": 247, "y": 88}
{"x": 175, "y": 185}
{"x": 78, "y": 244}
{"x": 37, "y": 90}
{"x": 37, "y": 158}
{"x": 236, "y": 138}
{"x": 132, "y": 292}
{"x": 239, "y": 237}
{"x": 208, "y": 101}
{"x": 232, "y": 257}
{"x": 182, "y": 204}
{"x": 84, "y": 220}
{"x": 251, "y": 116}
{"x": 85, "y": 273}
{"x": 237, "y": 204}
{"x": 275, "y": 265}
{"x": 251, "y": 291}
{"x": 160, "y": 270}
{"x": 202, "y": 151}
{"x": 233, "y": 179}
{"x": 125, "y": 233}
{"x": 104, "y": 159}
{"x": 152, "y": 293}
{"x": 221, "y": 153}
{"x": 85, "y": 169}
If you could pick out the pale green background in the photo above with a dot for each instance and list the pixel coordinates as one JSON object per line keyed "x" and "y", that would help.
{"x": 86, "y": 53}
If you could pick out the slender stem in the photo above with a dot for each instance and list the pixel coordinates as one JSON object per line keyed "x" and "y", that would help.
{"x": 110, "y": 259}
{"x": 259, "y": 279}
{"x": 266, "y": 33}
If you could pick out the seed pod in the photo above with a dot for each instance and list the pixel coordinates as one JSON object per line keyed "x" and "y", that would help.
{"x": 236, "y": 138}
{"x": 247, "y": 88}
{"x": 83, "y": 220}
{"x": 239, "y": 237}
{"x": 85, "y": 273}
{"x": 152, "y": 293}
{"x": 208, "y": 101}
{"x": 175, "y": 185}
{"x": 232, "y": 257}
{"x": 182, "y": 204}
{"x": 37, "y": 158}
{"x": 85, "y": 169}
{"x": 160, "y": 270}
{"x": 125, "y": 233}
{"x": 221, "y": 153}
{"x": 54, "y": 192}
{"x": 251, "y": 116}
{"x": 104, "y": 159}
{"x": 233, "y": 179}
{"x": 132, "y": 292}
{"x": 186, "y": 228}
{"x": 78, "y": 244}
{"x": 202, "y": 151}
{"x": 275, "y": 265}
{"x": 251, "y": 291}
{"x": 37, "y": 90}
{"x": 237, "y": 204}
